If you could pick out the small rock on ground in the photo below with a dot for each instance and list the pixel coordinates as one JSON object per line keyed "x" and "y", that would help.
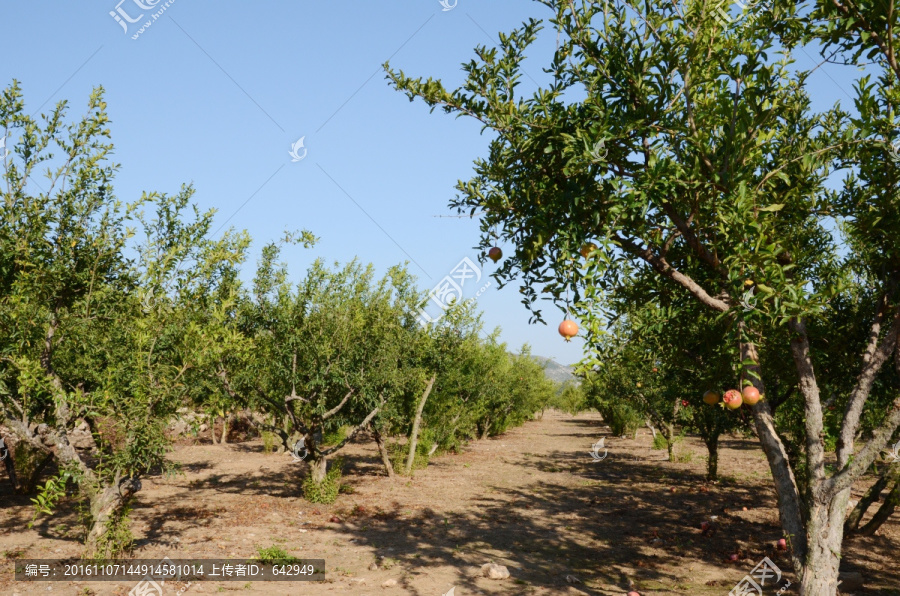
{"x": 494, "y": 571}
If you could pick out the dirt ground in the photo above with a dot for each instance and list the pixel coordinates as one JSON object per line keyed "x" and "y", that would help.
{"x": 533, "y": 500}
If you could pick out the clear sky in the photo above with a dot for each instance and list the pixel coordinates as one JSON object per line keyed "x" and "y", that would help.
{"x": 216, "y": 93}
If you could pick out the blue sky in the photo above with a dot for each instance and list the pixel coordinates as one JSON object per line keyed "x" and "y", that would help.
{"x": 215, "y": 94}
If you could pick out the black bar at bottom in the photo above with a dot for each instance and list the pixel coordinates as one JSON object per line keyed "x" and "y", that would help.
{"x": 158, "y": 571}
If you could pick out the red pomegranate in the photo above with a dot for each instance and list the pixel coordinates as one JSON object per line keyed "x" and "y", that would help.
{"x": 732, "y": 399}
{"x": 495, "y": 254}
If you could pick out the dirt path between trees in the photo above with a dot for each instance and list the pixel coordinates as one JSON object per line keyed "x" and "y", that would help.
{"x": 533, "y": 500}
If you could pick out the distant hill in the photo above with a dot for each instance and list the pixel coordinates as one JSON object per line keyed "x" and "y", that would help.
{"x": 556, "y": 371}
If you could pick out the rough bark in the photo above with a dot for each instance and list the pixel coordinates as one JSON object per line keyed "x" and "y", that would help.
{"x": 317, "y": 467}
{"x": 712, "y": 464}
{"x": 809, "y": 389}
{"x": 224, "y": 430}
{"x": 789, "y": 504}
{"x": 6, "y": 454}
{"x": 825, "y": 531}
{"x": 414, "y": 436}
{"x": 106, "y": 505}
{"x": 385, "y": 456}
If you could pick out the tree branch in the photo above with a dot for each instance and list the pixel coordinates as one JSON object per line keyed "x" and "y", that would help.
{"x": 809, "y": 389}
{"x": 359, "y": 427}
{"x": 874, "y": 358}
{"x": 867, "y": 455}
{"x": 338, "y": 407}
{"x": 663, "y": 267}
{"x": 777, "y": 456}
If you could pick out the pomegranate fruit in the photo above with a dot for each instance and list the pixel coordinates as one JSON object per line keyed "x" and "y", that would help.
{"x": 495, "y": 254}
{"x": 587, "y": 248}
{"x": 732, "y": 399}
{"x": 711, "y": 398}
{"x": 568, "y": 329}
{"x": 782, "y": 544}
{"x": 750, "y": 395}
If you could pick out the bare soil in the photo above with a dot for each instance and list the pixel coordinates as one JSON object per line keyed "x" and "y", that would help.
{"x": 533, "y": 500}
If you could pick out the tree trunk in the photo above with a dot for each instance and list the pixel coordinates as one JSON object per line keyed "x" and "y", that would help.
{"x": 825, "y": 532}
{"x": 106, "y": 505}
{"x": 317, "y": 467}
{"x": 382, "y": 449}
{"x": 486, "y": 429}
{"x": 414, "y": 436}
{"x": 224, "y": 430}
{"x": 712, "y": 464}
{"x": 651, "y": 427}
{"x": 885, "y": 511}
{"x": 6, "y": 454}
{"x": 668, "y": 433}
{"x": 32, "y": 482}
{"x": 212, "y": 428}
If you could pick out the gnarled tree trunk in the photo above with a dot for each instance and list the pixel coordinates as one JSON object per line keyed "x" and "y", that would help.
{"x": 385, "y": 456}
{"x": 825, "y": 532}
{"x": 414, "y": 436}
{"x": 107, "y": 504}
{"x": 318, "y": 465}
{"x": 7, "y": 456}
